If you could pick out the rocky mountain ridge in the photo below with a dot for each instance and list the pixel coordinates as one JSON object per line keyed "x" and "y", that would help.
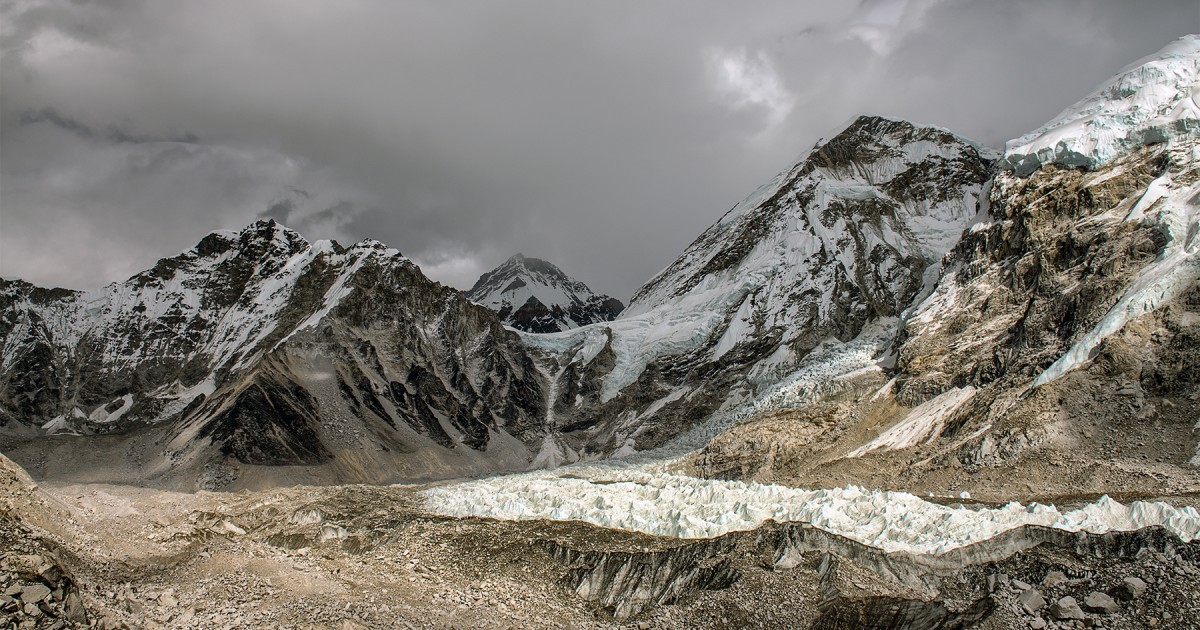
{"x": 1056, "y": 352}
{"x": 535, "y": 296}
{"x": 832, "y": 250}
{"x": 259, "y": 349}
{"x": 897, "y": 291}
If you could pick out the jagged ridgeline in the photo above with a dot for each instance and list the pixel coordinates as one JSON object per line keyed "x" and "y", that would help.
{"x": 893, "y": 261}
{"x": 257, "y": 349}
{"x": 1058, "y": 349}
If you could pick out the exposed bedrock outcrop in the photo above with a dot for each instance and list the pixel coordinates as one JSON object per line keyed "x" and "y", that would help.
{"x": 626, "y": 583}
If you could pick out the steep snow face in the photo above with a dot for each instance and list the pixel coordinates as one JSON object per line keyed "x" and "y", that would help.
{"x": 880, "y": 198}
{"x": 1156, "y": 99}
{"x": 843, "y": 238}
{"x": 535, "y": 296}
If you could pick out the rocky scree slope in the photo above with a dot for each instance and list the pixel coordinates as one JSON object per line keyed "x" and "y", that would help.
{"x": 370, "y": 556}
{"x": 533, "y": 295}
{"x": 1062, "y": 337}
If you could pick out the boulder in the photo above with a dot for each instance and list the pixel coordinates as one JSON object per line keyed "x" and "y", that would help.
{"x": 1031, "y": 599}
{"x": 34, "y": 594}
{"x": 1067, "y": 608}
{"x": 73, "y": 608}
{"x": 1130, "y": 588}
{"x": 1054, "y": 578}
{"x": 1098, "y": 602}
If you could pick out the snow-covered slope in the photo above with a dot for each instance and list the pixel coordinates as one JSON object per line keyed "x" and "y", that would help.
{"x": 880, "y": 195}
{"x": 181, "y": 325}
{"x": 535, "y": 296}
{"x": 977, "y": 301}
{"x": 846, "y": 237}
{"x": 1157, "y": 99}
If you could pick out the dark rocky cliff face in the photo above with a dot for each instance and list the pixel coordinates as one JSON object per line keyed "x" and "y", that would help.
{"x": 1034, "y": 279}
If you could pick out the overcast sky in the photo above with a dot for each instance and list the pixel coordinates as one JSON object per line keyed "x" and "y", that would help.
{"x": 602, "y": 136}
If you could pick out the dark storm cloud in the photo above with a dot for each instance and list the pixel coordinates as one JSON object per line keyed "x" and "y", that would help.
{"x": 112, "y": 134}
{"x": 289, "y": 212}
{"x": 280, "y": 211}
{"x": 601, "y": 136}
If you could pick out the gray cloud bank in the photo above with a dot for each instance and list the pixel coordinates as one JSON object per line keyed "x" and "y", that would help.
{"x": 601, "y": 136}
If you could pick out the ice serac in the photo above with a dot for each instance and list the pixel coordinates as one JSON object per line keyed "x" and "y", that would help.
{"x": 842, "y": 241}
{"x": 1157, "y": 99}
{"x": 257, "y": 350}
{"x": 533, "y": 295}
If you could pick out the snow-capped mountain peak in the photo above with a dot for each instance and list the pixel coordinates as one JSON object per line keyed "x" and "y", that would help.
{"x": 1157, "y": 99}
{"x": 878, "y": 183}
{"x": 536, "y": 296}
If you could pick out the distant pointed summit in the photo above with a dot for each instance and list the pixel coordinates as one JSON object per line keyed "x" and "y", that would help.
{"x": 534, "y": 295}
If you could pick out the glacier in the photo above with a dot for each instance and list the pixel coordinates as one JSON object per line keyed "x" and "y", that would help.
{"x": 1154, "y": 102}
{"x": 643, "y": 500}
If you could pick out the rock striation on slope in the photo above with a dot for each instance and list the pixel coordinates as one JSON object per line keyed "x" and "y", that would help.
{"x": 535, "y": 296}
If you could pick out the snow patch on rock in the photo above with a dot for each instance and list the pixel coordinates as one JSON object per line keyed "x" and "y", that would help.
{"x": 922, "y": 424}
{"x": 1170, "y": 207}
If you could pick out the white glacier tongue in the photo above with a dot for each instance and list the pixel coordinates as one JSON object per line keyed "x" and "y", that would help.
{"x": 921, "y": 424}
{"x": 1155, "y": 100}
{"x": 637, "y": 499}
